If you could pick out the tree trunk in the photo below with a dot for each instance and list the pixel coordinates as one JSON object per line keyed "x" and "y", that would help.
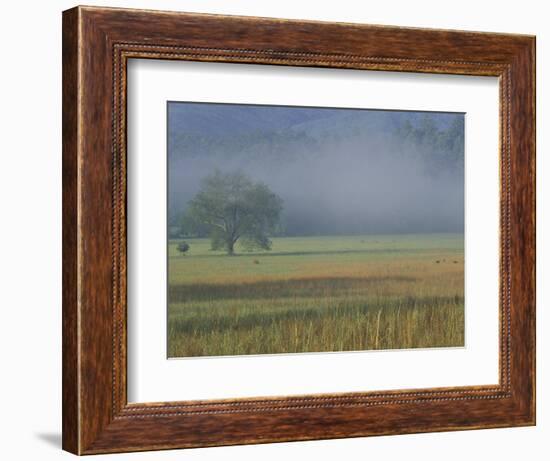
{"x": 230, "y": 247}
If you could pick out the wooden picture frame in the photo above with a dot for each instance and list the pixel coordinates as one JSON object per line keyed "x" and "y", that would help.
{"x": 97, "y": 43}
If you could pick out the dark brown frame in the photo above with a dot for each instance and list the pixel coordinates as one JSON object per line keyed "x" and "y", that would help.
{"x": 97, "y": 43}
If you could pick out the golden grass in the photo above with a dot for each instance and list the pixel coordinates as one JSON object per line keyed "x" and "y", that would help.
{"x": 318, "y": 301}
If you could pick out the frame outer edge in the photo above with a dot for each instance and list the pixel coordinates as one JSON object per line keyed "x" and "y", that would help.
{"x": 523, "y": 233}
{"x": 70, "y": 177}
{"x": 534, "y": 213}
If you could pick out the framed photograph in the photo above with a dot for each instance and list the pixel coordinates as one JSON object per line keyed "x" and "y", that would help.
{"x": 281, "y": 230}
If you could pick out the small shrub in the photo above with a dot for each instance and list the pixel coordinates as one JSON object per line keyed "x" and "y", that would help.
{"x": 183, "y": 247}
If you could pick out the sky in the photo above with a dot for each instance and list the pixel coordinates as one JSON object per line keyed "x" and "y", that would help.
{"x": 338, "y": 171}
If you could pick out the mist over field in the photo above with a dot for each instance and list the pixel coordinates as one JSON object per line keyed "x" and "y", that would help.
{"x": 338, "y": 171}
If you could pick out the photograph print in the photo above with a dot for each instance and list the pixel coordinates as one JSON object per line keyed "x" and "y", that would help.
{"x": 313, "y": 229}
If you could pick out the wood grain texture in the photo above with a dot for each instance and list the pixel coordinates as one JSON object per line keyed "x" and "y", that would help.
{"x": 97, "y": 43}
{"x": 70, "y": 384}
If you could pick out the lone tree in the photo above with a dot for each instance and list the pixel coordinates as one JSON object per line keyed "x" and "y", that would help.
{"x": 234, "y": 207}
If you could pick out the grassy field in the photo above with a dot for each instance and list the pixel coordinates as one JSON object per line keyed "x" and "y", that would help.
{"x": 317, "y": 294}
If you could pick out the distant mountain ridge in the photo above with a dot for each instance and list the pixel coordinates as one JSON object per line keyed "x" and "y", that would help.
{"x": 193, "y": 125}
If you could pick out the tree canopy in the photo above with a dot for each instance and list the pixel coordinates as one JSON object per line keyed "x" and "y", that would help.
{"x": 233, "y": 207}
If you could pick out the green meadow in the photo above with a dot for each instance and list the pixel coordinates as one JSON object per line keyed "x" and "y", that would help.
{"x": 317, "y": 294}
